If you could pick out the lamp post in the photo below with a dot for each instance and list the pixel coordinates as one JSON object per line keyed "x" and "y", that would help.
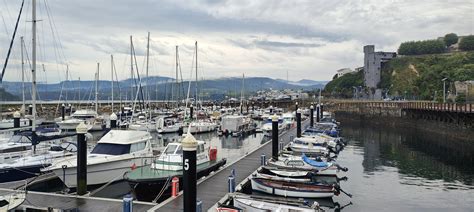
{"x": 444, "y": 89}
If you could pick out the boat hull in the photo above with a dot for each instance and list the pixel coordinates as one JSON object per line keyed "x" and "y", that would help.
{"x": 287, "y": 189}
{"x": 19, "y": 173}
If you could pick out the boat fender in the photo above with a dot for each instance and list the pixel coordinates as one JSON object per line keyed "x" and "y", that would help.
{"x": 213, "y": 154}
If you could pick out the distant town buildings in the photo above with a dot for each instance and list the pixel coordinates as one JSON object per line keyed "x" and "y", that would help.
{"x": 373, "y": 62}
{"x": 343, "y": 71}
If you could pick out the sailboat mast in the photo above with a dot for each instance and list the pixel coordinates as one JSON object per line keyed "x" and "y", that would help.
{"x": 147, "y": 62}
{"x": 96, "y": 88}
{"x": 177, "y": 80}
{"x": 196, "y": 95}
{"x": 22, "y": 75}
{"x": 112, "y": 82}
{"x": 33, "y": 67}
{"x": 131, "y": 68}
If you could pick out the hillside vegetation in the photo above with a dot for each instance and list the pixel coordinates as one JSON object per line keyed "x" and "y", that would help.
{"x": 420, "y": 76}
{"x": 414, "y": 77}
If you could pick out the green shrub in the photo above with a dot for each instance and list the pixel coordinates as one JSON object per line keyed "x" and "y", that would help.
{"x": 450, "y": 39}
{"x": 467, "y": 43}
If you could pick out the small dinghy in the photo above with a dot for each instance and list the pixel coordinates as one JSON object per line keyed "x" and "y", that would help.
{"x": 253, "y": 205}
{"x": 292, "y": 189}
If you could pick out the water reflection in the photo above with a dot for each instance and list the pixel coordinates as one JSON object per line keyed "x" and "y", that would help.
{"x": 421, "y": 158}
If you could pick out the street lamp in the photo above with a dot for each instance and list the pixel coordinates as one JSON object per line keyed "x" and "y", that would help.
{"x": 444, "y": 89}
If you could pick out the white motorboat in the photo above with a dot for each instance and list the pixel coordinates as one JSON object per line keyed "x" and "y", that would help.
{"x": 305, "y": 164}
{"x": 267, "y": 127}
{"x": 115, "y": 153}
{"x": 200, "y": 127}
{"x": 172, "y": 157}
{"x": 8, "y": 123}
{"x": 167, "y": 126}
{"x": 144, "y": 124}
{"x": 88, "y": 117}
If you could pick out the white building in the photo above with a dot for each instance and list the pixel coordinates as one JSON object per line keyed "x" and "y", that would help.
{"x": 343, "y": 71}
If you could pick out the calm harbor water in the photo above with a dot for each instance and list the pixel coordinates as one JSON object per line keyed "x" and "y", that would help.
{"x": 395, "y": 170}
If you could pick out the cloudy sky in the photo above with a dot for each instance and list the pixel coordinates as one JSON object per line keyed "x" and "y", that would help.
{"x": 307, "y": 39}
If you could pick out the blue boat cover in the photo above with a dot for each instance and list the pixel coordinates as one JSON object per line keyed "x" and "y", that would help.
{"x": 314, "y": 163}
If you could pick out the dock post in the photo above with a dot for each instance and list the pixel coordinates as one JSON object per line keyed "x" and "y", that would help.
{"x": 189, "y": 144}
{"x": 247, "y": 108}
{"x": 70, "y": 109}
{"x": 63, "y": 111}
{"x": 16, "y": 121}
{"x": 296, "y": 106}
{"x": 191, "y": 111}
{"x": 318, "y": 112}
{"x": 241, "y": 109}
{"x": 263, "y": 160}
{"x": 271, "y": 110}
{"x": 275, "y": 137}
{"x": 311, "y": 116}
{"x": 128, "y": 203}
{"x": 113, "y": 121}
{"x": 30, "y": 113}
{"x": 81, "y": 159}
{"x": 231, "y": 183}
{"x": 321, "y": 112}
{"x": 298, "y": 123}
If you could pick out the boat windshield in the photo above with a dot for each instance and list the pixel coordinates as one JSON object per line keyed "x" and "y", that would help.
{"x": 111, "y": 149}
{"x": 19, "y": 139}
{"x": 170, "y": 149}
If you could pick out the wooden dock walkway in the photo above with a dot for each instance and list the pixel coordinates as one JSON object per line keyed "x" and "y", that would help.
{"x": 211, "y": 189}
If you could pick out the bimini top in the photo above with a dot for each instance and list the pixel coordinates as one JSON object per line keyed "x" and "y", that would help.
{"x": 124, "y": 137}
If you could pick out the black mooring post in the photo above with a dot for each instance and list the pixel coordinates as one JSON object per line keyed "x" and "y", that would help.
{"x": 311, "y": 116}
{"x": 321, "y": 112}
{"x": 16, "y": 121}
{"x": 241, "y": 109}
{"x": 247, "y": 108}
{"x": 298, "y": 124}
{"x": 81, "y": 159}
{"x": 271, "y": 110}
{"x": 317, "y": 113}
{"x": 189, "y": 144}
{"x": 113, "y": 121}
{"x": 70, "y": 109}
{"x": 296, "y": 106}
{"x": 191, "y": 111}
{"x": 30, "y": 112}
{"x": 63, "y": 111}
{"x": 275, "y": 137}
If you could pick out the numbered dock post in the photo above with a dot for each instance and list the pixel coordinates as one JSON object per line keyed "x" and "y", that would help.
{"x": 298, "y": 123}
{"x": 81, "y": 159}
{"x": 275, "y": 137}
{"x": 311, "y": 116}
{"x": 189, "y": 144}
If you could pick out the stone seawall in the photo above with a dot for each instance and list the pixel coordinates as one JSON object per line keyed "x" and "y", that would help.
{"x": 399, "y": 119}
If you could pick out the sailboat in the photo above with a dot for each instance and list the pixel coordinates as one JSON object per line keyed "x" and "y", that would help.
{"x": 201, "y": 125}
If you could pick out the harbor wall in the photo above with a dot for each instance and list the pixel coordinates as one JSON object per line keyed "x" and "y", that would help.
{"x": 459, "y": 126}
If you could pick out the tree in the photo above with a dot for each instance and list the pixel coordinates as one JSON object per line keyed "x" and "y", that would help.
{"x": 450, "y": 39}
{"x": 467, "y": 43}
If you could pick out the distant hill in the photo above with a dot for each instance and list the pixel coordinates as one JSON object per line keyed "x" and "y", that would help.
{"x": 6, "y": 96}
{"x": 161, "y": 87}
